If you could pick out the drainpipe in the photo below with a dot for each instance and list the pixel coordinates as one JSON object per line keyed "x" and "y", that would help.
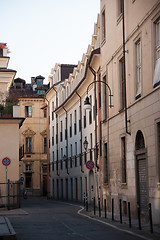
{"x": 66, "y": 138}
{"x": 94, "y": 73}
{"x": 81, "y": 128}
{"x": 124, "y": 73}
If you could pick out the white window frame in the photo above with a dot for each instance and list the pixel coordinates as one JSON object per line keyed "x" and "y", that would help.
{"x": 138, "y": 45}
{"x": 156, "y": 76}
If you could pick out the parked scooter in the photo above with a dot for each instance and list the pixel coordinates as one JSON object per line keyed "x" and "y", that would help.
{"x": 24, "y": 193}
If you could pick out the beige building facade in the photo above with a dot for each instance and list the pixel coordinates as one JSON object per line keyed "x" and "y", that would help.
{"x": 33, "y": 135}
{"x": 9, "y": 129}
{"x": 122, "y": 127}
{"x": 130, "y": 130}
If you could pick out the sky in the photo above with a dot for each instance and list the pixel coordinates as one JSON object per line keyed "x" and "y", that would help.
{"x": 41, "y": 33}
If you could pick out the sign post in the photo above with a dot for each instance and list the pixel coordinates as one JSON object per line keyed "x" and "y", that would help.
{"x": 6, "y": 162}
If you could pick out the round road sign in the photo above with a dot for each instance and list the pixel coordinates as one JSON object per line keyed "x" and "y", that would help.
{"x": 21, "y": 179}
{"x": 90, "y": 164}
{"x": 6, "y": 161}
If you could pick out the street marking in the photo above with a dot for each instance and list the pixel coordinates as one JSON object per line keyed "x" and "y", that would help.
{"x": 110, "y": 225}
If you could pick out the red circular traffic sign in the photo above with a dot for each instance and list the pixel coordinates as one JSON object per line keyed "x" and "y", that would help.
{"x": 6, "y": 161}
{"x": 90, "y": 164}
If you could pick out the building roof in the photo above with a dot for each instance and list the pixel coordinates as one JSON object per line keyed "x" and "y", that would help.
{"x": 7, "y": 70}
{"x": 12, "y": 120}
{"x": 27, "y": 91}
{"x": 66, "y": 69}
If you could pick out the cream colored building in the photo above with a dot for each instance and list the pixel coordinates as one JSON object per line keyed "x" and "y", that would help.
{"x": 69, "y": 125}
{"x": 6, "y": 75}
{"x": 123, "y": 139}
{"x": 9, "y": 127}
{"x": 9, "y": 148}
{"x": 131, "y": 129}
{"x": 33, "y": 134}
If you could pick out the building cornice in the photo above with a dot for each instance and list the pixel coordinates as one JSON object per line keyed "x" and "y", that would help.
{"x": 94, "y": 52}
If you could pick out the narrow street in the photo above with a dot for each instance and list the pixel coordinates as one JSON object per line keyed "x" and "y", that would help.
{"x": 47, "y": 219}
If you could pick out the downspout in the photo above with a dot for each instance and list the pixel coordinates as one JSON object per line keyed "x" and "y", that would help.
{"x": 94, "y": 73}
{"x": 124, "y": 73}
{"x": 81, "y": 130}
{"x": 66, "y": 138}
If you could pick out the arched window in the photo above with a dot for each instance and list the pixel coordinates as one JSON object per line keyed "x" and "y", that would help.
{"x": 139, "y": 140}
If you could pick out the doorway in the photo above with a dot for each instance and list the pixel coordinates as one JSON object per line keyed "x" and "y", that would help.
{"x": 141, "y": 174}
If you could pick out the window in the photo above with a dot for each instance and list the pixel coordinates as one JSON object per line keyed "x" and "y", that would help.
{"x": 52, "y": 110}
{"x": 28, "y": 181}
{"x": 105, "y": 97}
{"x": 75, "y": 122}
{"x": 158, "y": 146}
{"x": 106, "y": 179}
{"x": 75, "y": 154}
{"x": 41, "y": 92}
{"x": 70, "y": 125}
{"x": 28, "y": 111}
{"x": 28, "y": 167}
{"x": 52, "y": 135}
{"x": 71, "y": 157}
{"x": 44, "y": 167}
{"x": 61, "y": 158}
{"x": 156, "y": 78}
{"x": 45, "y": 113}
{"x": 121, "y": 84}
{"x": 103, "y": 26}
{"x": 28, "y": 145}
{"x": 53, "y": 161}
{"x": 45, "y": 145}
{"x": 61, "y": 132}
{"x": 66, "y": 129}
{"x": 119, "y": 2}
{"x": 90, "y": 112}
{"x": 79, "y": 118}
{"x": 99, "y": 100}
{"x": 85, "y": 119}
{"x": 123, "y": 158}
{"x": 138, "y": 68}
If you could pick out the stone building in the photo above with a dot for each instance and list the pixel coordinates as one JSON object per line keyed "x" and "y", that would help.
{"x": 120, "y": 75}
{"x": 33, "y": 133}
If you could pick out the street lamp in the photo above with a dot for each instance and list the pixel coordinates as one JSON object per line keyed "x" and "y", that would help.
{"x": 87, "y": 104}
{"x": 85, "y": 144}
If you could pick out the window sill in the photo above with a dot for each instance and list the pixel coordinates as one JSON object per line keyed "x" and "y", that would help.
{"x": 124, "y": 185}
{"x": 103, "y": 42}
{"x": 156, "y": 84}
{"x": 138, "y": 96}
{"x": 158, "y": 185}
{"x": 119, "y": 18}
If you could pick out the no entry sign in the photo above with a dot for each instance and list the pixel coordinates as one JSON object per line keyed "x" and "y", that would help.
{"x": 90, "y": 164}
{"x": 6, "y": 161}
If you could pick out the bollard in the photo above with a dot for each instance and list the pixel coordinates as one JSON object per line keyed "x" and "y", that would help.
{"x": 112, "y": 209}
{"x": 139, "y": 216}
{"x": 150, "y": 217}
{"x": 129, "y": 214}
{"x": 84, "y": 199}
{"x": 105, "y": 208}
{"x": 94, "y": 202}
{"x": 120, "y": 210}
{"x": 99, "y": 206}
{"x": 86, "y": 203}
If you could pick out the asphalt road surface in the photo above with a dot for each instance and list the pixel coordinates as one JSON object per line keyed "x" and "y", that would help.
{"x": 48, "y": 219}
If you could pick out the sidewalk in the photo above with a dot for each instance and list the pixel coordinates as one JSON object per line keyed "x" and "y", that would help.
{"x": 145, "y": 226}
{"x": 6, "y": 230}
